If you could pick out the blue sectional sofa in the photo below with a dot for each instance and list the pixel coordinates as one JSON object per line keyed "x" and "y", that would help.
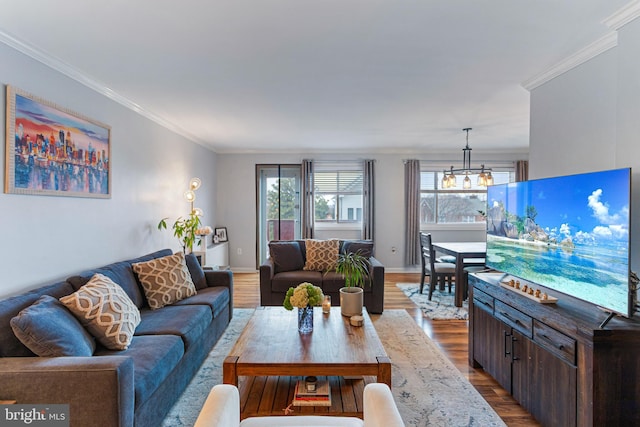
{"x": 132, "y": 387}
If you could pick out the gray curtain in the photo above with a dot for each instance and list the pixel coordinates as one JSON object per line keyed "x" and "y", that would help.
{"x": 368, "y": 196}
{"x": 412, "y": 211}
{"x": 522, "y": 170}
{"x": 307, "y": 199}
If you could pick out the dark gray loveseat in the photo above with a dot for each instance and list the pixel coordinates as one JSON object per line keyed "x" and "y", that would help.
{"x": 132, "y": 387}
{"x": 284, "y": 269}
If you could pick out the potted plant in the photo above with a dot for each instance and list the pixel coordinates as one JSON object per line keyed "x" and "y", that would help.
{"x": 185, "y": 229}
{"x": 355, "y": 269}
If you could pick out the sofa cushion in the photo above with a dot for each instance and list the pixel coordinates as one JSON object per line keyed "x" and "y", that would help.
{"x": 105, "y": 310}
{"x": 165, "y": 280}
{"x": 286, "y": 256}
{"x": 122, "y": 274}
{"x": 154, "y": 358}
{"x": 322, "y": 255}
{"x": 187, "y": 322}
{"x": 332, "y": 282}
{"x": 50, "y": 330}
{"x": 216, "y": 298}
{"x": 10, "y": 345}
{"x": 196, "y": 271}
{"x": 363, "y": 247}
{"x": 281, "y": 282}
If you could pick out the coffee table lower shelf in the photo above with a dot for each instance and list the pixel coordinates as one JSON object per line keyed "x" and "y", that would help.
{"x": 267, "y": 396}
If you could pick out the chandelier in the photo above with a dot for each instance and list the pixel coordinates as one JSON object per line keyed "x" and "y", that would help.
{"x": 484, "y": 174}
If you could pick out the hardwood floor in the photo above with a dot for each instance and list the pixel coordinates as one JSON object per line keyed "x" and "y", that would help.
{"x": 449, "y": 335}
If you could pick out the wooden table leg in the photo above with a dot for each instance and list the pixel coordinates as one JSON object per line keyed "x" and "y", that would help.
{"x": 384, "y": 370}
{"x": 230, "y": 371}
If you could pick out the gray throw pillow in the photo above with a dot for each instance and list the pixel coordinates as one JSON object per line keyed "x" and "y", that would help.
{"x": 287, "y": 256}
{"x": 48, "y": 329}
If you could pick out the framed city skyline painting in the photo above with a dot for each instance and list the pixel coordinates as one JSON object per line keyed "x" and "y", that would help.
{"x": 53, "y": 151}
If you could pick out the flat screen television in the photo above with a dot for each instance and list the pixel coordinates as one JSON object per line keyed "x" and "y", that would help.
{"x": 568, "y": 233}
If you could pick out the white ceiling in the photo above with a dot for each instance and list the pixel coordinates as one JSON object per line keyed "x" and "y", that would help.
{"x": 323, "y": 75}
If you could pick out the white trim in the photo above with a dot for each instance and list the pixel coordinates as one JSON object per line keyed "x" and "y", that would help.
{"x": 59, "y": 65}
{"x": 622, "y": 17}
{"x": 594, "y": 49}
{"x": 408, "y": 269}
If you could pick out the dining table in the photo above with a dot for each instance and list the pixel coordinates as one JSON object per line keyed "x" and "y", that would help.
{"x": 467, "y": 254}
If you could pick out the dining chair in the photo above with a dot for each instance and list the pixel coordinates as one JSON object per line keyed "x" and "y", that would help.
{"x": 439, "y": 272}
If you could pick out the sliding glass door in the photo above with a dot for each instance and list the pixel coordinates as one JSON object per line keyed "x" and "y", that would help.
{"x": 277, "y": 205}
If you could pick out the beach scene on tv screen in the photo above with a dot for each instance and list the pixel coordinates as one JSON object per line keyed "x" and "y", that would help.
{"x": 568, "y": 233}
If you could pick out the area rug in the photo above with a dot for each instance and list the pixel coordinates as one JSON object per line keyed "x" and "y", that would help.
{"x": 441, "y": 306}
{"x": 428, "y": 389}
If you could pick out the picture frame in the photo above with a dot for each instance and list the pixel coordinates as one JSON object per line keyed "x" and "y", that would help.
{"x": 53, "y": 151}
{"x": 221, "y": 233}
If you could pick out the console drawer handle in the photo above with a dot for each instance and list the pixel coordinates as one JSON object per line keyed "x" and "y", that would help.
{"x": 516, "y": 321}
{"x": 559, "y": 346}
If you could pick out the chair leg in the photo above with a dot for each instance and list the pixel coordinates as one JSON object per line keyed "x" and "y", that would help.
{"x": 422, "y": 282}
{"x": 465, "y": 293}
{"x": 432, "y": 284}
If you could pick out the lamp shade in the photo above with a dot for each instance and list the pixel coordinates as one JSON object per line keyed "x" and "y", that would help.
{"x": 190, "y": 196}
{"x": 194, "y": 184}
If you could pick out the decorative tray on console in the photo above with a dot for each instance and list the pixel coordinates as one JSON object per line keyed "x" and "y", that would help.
{"x": 526, "y": 290}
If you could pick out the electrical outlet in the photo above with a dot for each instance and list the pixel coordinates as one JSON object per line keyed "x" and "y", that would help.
{"x": 239, "y": 251}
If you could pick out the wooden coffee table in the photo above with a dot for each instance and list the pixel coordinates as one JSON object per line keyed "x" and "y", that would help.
{"x": 270, "y": 345}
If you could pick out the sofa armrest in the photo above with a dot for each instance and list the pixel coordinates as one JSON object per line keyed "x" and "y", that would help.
{"x": 380, "y": 409}
{"x": 376, "y": 269}
{"x": 221, "y": 278}
{"x": 222, "y": 407}
{"x": 98, "y": 389}
{"x": 267, "y": 271}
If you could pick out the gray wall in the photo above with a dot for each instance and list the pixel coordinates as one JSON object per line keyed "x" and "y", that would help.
{"x": 237, "y": 202}
{"x": 44, "y": 238}
{"x": 587, "y": 120}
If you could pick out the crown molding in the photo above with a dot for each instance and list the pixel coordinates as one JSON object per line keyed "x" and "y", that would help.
{"x": 594, "y": 49}
{"x": 616, "y": 21}
{"x": 622, "y": 17}
{"x": 62, "y": 67}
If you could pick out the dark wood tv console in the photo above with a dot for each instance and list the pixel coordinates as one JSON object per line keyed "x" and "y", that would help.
{"x": 553, "y": 358}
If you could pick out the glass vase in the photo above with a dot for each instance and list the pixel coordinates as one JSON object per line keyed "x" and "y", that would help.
{"x": 305, "y": 320}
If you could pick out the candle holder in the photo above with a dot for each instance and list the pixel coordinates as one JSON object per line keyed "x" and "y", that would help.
{"x": 326, "y": 304}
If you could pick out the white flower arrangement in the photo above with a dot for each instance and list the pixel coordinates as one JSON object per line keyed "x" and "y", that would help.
{"x": 305, "y": 294}
{"x": 204, "y": 231}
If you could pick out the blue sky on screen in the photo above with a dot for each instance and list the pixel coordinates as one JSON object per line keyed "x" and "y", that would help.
{"x": 594, "y": 204}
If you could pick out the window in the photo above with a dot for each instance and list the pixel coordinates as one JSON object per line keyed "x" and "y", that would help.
{"x": 454, "y": 205}
{"x": 338, "y": 192}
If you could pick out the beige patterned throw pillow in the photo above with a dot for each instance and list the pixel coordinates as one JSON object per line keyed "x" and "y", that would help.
{"x": 165, "y": 280}
{"x": 106, "y": 311}
{"x": 322, "y": 255}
